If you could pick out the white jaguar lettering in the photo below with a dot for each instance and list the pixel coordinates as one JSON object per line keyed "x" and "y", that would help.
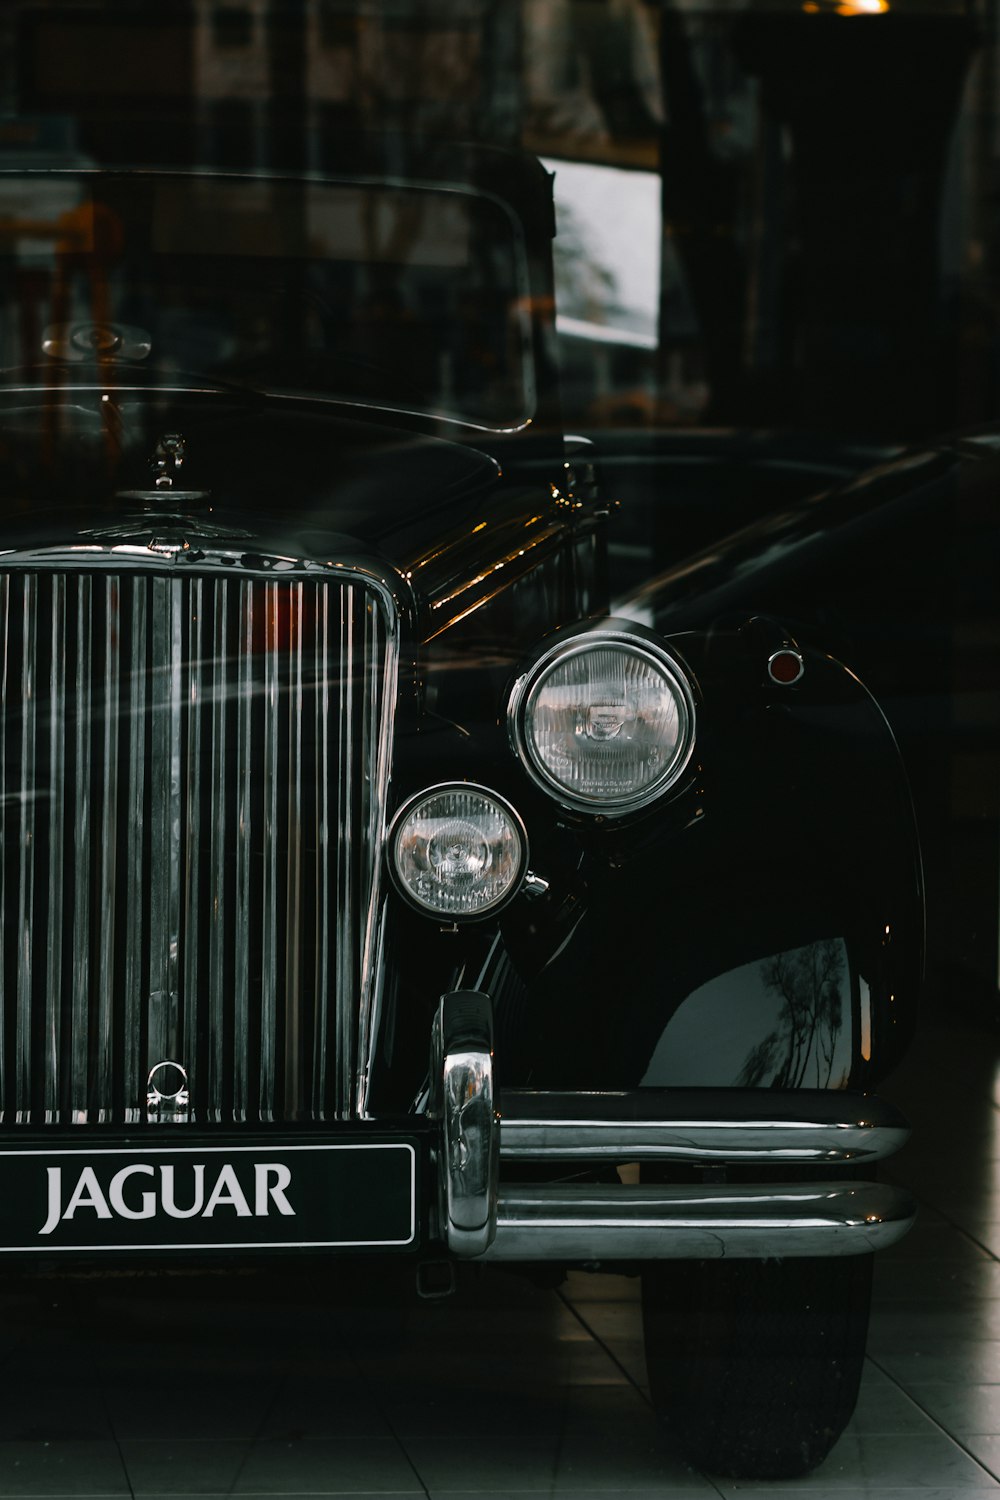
{"x": 130, "y": 1194}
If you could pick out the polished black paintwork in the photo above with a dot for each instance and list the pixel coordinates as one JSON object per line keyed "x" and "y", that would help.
{"x": 788, "y": 842}
{"x": 896, "y": 573}
{"x": 761, "y": 924}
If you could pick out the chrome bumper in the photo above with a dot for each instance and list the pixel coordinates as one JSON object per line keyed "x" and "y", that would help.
{"x": 818, "y": 1126}
{"x": 483, "y": 1218}
{"x": 609, "y": 1222}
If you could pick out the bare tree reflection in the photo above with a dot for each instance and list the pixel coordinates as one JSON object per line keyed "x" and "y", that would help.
{"x": 809, "y": 983}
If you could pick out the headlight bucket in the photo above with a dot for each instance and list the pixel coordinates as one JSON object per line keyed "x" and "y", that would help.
{"x": 457, "y": 851}
{"x": 603, "y": 722}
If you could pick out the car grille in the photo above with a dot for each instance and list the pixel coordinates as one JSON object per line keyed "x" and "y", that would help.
{"x": 193, "y": 773}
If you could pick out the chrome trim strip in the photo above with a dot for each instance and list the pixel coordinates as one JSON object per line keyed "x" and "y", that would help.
{"x": 745, "y": 1125}
{"x": 608, "y": 1222}
{"x": 381, "y": 733}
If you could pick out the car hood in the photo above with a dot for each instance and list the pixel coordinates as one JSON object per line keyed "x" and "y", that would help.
{"x": 79, "y": 457}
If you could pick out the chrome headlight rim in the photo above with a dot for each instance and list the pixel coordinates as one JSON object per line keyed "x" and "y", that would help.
{"x": 405, "y": 810}
{"x": 527, "y": 685}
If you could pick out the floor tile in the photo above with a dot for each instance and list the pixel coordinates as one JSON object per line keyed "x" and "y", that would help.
{"x": 54, "y": 1412}
{"x": 182, "y": 1467}
{"x": 935, "y": 1239}
{"x": 894, "y": 1323}
{"x": 863, "y": 1490}
{"x": 58, "y": 1468}
{"x": 318, "y": 1410}
{"x": 960, "y": 1409}
{"x": 949, "y": 1361}
{"x": 327, "y": 1466}
{"x": 986, "y": 1449}
{"x": 216, "y": 1410}
{"x": 585, "y": 1286}
{"x": 611, "y": 1320}
{"x": 451, "y": 1411}
{"x": 670, "y": 1490}
{"x": 883, "y": 1408}
{"x": 930, "y": 1279}
{"x": 860, "y": 1463}
{"x": 609, "y": 1465}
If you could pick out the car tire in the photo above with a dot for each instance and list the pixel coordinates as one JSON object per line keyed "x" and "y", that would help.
{"x": 754, "y": 1365}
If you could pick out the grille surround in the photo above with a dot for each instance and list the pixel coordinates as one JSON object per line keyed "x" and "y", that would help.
{"x": 194, "y": 761}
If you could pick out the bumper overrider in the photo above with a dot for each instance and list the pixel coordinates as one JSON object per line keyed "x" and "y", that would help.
{"x": 483, "y": 1218}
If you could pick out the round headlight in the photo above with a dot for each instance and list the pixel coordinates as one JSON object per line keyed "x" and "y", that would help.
{"x": 458, "y": 851}
{"x": 604, "y": 723}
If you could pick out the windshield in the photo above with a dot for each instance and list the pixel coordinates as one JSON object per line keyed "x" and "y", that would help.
{"x": 412, "y": 297}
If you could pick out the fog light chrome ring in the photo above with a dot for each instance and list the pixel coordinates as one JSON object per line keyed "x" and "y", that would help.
{"x": 457, "y": 851}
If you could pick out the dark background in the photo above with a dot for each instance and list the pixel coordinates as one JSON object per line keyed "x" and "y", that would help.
{"x": 827, "y": 170}
{"x": 826, "y": 180}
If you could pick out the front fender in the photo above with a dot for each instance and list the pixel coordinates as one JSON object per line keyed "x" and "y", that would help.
{"x": 762, "y": 928}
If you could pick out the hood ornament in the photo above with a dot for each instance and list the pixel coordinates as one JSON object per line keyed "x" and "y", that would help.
{"x": 166, "y": 462}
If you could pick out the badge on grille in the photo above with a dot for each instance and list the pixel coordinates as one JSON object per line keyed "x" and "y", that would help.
{"x": 167, "y": 1096}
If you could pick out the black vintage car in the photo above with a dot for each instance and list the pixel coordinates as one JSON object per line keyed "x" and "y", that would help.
{"x": 367, "y": 886}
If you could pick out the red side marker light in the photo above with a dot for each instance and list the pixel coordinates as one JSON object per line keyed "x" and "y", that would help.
{"x": 785, "y": 666}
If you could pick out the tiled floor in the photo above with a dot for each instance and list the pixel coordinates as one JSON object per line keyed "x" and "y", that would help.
{"x": 216, "y": 1387}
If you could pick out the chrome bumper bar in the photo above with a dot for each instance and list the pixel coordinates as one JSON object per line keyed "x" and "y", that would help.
{"x": 608, "y": 1222}
{"x": 700, "y": 1125}
{"x": 482, "y": 1218}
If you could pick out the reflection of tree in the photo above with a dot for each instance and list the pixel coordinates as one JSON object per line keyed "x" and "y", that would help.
{"x": 587, "y": 289}
{"x": 808, "y": 982}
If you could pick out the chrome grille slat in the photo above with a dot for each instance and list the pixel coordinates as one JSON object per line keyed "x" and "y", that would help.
{"x": 269, "y": 956}
{"x": 345, "y": 911}
{"x": 322, "y": 871}
{"x": 26, "y": 862}
{"x": 165, "y": 824}
{"x": 191, "y": 886}
{"x": 5, "y": 606}
{"x": 108, "y": 851}
{"x": 294, "y": 914}
{"x": 80, "y": 992}
{"x": 218, "y": 904}
{"x": 57, "y": 780}
{"x": 132, "y": 1077}
{"x": 196, "y": 800}
{"x": 241, "y": 998}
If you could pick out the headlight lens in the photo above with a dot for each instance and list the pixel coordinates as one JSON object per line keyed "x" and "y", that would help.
{"x": 458, "y": 851}
{"x": 605, "y": 724}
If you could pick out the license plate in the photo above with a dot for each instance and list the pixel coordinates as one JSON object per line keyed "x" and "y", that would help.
{"x": 352, "y": 1195}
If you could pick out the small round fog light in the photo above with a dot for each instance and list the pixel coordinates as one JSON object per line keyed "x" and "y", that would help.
{"x": 458, "y": 851}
